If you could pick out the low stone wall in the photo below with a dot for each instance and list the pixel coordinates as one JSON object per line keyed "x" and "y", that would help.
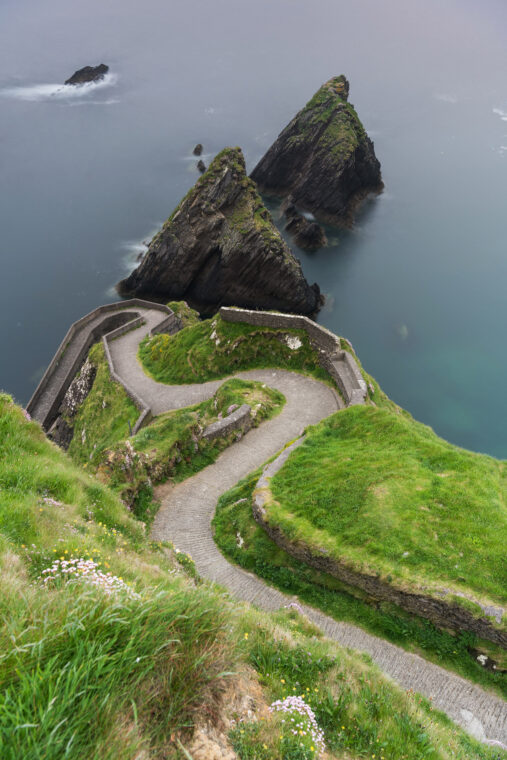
{"x": 145, "y": 411}
{"x": 443, "y": 614}
{"x": 117, "y": 316}
{"x": 340, "y": 364}
{"x": 239, "y": 419}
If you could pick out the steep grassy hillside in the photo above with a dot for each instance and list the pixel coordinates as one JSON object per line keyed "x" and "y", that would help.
{"x": 384, "y": 494}
{"x": 110, "y": 649}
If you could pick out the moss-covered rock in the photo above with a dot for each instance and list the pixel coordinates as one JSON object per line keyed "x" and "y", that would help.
{"x": 220, "y": 247}
{"x": 323, "y": 161}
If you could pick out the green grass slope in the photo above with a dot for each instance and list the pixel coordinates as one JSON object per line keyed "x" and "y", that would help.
{"x": 123, "y": 663}
{"x": 257, "y": 553}
{"x": 386, "y": 495}
{"x": 215, "y": 348}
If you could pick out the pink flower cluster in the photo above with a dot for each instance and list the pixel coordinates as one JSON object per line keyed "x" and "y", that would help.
{"x": 87, "y": 570}
{"x": 51, "y": 502}
{"x": 302, "y": 719}
{"x": 295, "y": 606}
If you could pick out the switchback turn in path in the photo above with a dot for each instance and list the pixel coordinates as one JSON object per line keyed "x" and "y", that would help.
{"x": 188, "y": 507}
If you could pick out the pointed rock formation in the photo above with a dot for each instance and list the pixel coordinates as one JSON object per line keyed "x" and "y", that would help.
{"x": 323, "y": 161}
{"x": 220, "y": 247}
{"x": 88, "y": 74}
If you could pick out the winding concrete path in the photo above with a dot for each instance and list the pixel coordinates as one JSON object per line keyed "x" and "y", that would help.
{"x": 187, "y": 510}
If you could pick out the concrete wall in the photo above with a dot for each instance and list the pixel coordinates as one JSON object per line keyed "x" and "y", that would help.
{"x": 340, "y": 364}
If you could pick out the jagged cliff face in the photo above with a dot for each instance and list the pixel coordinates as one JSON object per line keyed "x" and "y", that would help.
{"x": 220, "y": 247}
{"x": 323, "y": 161}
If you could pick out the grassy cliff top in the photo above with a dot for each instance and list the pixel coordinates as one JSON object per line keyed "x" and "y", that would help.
{"x": 387, "y": 495}
{"x": 94, "y": 674}
{"x": 214, "y": 348}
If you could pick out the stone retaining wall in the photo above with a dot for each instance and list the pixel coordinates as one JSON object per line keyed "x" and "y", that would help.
{"x": 443, "y": 614}
{"x": 118, "y": 316}
{"x": 340, "y": 364}
{"x": 239, "y": 419}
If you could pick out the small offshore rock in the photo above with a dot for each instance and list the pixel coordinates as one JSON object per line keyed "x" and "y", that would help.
{"x": 307, "y": 235}
{"x": 197, "y": 150}
{"x": 201, "y": 166}
{"x": 88, "y": 74}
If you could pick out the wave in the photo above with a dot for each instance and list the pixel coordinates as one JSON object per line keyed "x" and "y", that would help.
{"x": 134, "y": 250}
{"x": 203, "y": 157}
{"x": 502, "y": 114}
{"x": 37, "y": 93}
{"x": 445, "y": 97}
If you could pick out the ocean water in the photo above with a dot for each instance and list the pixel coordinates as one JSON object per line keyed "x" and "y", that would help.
{"x": 88, "y": 174}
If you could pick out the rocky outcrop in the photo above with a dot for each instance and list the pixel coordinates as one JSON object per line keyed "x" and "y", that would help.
{"x": 88, "y": 74}
{"x": 323, "y": 160}
{"x": 220, "y": 247}
{"x": 198, "y": 149}
{"x": 62, "y": 430}
{"x": 307, "y": 235}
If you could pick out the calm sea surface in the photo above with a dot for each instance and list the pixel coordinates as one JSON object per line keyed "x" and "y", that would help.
{"x": 419, "y": 286}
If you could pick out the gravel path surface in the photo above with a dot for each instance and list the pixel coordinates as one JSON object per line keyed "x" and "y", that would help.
{"x": 188, "y": 507}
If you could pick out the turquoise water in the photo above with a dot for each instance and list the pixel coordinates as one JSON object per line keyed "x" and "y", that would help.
{"x": 418, "y": 286}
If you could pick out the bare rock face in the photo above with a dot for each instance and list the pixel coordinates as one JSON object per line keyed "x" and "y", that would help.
{"x": 62, "y": 430}
{"x": 220, "y": 247}
{"x": 88, "y": 74}
{"x": 323, "y": 159}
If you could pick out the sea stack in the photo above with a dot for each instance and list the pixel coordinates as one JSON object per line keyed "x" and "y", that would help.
{"x": 323, "y": 162}
{"x": 88, "y": 74}
{"x": 220, "y": 247}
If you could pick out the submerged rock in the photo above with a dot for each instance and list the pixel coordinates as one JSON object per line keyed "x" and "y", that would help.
{"x": 220, "y": 247}
{"x": 307, "y": 235}
{"x": 201, "y": 166}
{"x": 323, "y": 159}
{"x": 88, "y": 74}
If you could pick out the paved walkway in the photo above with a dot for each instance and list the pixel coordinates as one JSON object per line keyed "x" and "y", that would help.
{"x": 188, "y": 507}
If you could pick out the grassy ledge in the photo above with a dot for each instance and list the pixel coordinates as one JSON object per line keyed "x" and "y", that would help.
{"x": 385, "y": 495}
{"x": 135, "y": 666}
{"x": 260, "y": 555}
{"x": 215, "y": 348}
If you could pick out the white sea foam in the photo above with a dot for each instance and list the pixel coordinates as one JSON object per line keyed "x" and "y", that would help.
{"x": 134, "y": 248}
{"x": 445, "y": 97}
{"x": 203, "y": 157}
{"x": 502, "y": 114}
{"x": 58, "y": 92}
